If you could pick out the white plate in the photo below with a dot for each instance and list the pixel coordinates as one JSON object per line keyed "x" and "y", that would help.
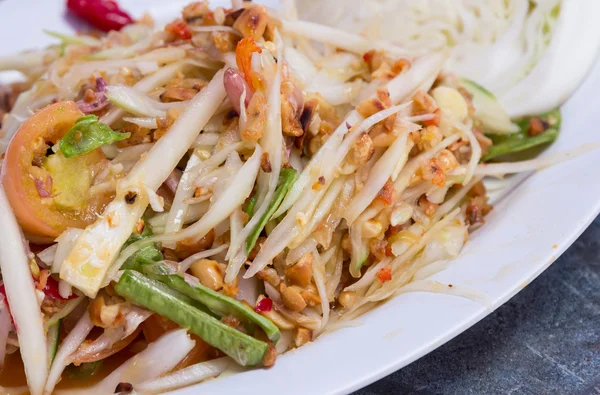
{"x": 524, "y": 234}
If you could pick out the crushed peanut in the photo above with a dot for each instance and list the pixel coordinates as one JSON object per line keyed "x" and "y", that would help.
{"x": 252, "y": 22}
{"x": 302, "y": 336}
{"x": 301, "y": 272}
{"x": 292, "y": 297}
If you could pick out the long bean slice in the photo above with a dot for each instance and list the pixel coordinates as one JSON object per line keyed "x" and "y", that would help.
{"x": 216, "y": 302}
{"x": 155, "y": 296}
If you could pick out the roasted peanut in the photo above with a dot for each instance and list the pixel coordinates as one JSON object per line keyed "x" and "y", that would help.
{"x": 314, "y": 105}
{"x": 290, "y": 124}
{"x": 311, "y": 296}
{"x": 294, "y": 96}
{"x": 382, "y": 67}
{"x": 431, "y": 171}
{"x": 362, "y": 150}
{"x": 302, "y": 336}
{"x": 252, "y": 22}
{"x": 374, "y": 59}
{"x": 95, "y": 309}
{"x": 347, "y": 298}
{"x": 373, "y": 105}
{"x": 429, "y": 137}
{"x": 383, "y": 139}
{"x": 279, "y": 320}
{"x": 292, "y": 298}
{"x": 195, "y": 11}
{"x": 209, "y": 273}
{"x": 257, "y": 117}
{"x": 423, "y": 103}
{"x": 269, "y": 275}
{"x": 105, "y": 316}
{"x": 301, "y": 272}
{"x": 447, "y": 161}
{"x": 225, "y": 41}
{"x": 269, "y": 356}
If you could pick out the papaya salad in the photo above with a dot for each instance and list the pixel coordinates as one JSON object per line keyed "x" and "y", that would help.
{"x": 180, "y": 200}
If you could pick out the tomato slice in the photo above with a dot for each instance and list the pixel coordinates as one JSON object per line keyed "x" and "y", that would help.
{"x": 47, "y": 191}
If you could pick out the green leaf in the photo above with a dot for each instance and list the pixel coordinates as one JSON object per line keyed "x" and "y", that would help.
{"x": 522, "y": 141}
{"x": 286, "y": 179}
{"x": 88, "y": 134}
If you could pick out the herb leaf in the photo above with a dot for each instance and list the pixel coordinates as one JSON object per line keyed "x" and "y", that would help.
{"x": 88, "y": 134}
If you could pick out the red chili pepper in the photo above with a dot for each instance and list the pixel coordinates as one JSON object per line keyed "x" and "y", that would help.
{"x": 102, "y": 14}
{"x": 435, "y": 120}
{"x": 388, "y": 250}
{"x": 385, "y": 274}
{"x": 265, "y": 304}
{"x": 51, "y": 290}
{"x": 179, "y": 28}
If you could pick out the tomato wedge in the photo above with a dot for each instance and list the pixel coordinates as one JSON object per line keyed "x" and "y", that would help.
{"x": 47, "y": 191}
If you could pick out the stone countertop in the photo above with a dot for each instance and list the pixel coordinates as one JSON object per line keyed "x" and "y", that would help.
{"x": 545, "y": 340}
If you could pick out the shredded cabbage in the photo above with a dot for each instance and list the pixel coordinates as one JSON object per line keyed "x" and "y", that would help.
{"x": 511, "y": 47}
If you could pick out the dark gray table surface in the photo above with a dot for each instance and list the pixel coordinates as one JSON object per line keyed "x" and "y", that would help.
{"x": 545, "y": 340}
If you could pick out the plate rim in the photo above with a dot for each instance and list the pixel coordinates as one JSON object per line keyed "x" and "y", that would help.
{"x": 385, "y": 369}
